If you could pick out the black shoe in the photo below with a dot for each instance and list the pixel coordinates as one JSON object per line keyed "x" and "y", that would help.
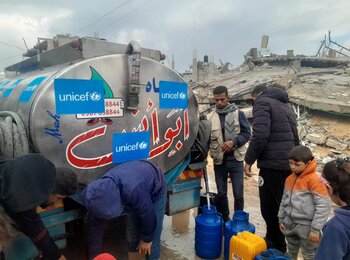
{"x": 283, "y": 249}
{"x": 270, "y": 244}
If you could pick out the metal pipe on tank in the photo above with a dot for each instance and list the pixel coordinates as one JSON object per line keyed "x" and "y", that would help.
{"x": 134, "y": 49}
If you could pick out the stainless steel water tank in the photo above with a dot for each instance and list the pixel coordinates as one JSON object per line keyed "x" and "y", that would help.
{"x": 84, "y": 141}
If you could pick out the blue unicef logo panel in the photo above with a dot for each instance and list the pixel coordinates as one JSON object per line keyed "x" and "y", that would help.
{"x": 173, "y": 95}
{"x": 29, "y": 89}
{"x": 3, "y": 84}
{"x": 130, "y": 146}
{"x": 8, "y": 91}
{"x": 77, "y": 96}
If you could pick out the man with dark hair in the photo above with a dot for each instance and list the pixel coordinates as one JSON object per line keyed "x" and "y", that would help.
{"x": 274, "y": 135}
{"x": 229, "y": 133}
{"x": 27, "y": 182}
{"x": 258, "y": 90}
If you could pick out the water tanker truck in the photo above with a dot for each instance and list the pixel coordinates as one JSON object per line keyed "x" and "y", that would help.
{"x": 88, "y": 104}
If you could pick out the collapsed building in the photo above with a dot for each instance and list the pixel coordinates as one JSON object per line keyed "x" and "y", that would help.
{"x": 318, "y": 87}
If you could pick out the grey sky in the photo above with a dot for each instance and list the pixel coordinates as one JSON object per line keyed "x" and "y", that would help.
{"x": 226, "y": 29}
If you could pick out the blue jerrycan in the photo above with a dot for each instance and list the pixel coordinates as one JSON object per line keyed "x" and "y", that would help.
{"x": 239, "y": 223}
{"x": 272, "y": 254}
{"x": 208, "y": 233}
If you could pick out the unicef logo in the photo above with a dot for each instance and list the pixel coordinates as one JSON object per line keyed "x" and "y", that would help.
{"x": 182, "y": 95}
{"x": 95, "y": 96}
{"x": 131, "y": 147}
{"x": 174, "y": 95}
{"x": 143, "y": 145}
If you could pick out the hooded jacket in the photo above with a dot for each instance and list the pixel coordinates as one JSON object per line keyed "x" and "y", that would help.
{"x": 25, "y": 183}
{"x": 335, "y": 243}
{"x": 275, "y": 131}
{"x": 305, "y": 200}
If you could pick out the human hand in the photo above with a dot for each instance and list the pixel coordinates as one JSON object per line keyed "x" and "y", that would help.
{"x": 248, "y": 170}
{"x": 314, "y": 236}
{"x": 145, "y": 248}
{"x": 62, "y": 257}
{"x": 282, "y": 227}
{"x": 228, "y": 146}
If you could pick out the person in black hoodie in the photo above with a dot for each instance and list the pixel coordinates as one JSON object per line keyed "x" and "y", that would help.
{"x": 274, "y": 135}
{"x": 27, "y": 182}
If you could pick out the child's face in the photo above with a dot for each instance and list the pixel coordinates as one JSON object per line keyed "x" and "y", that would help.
{"x": 297, "y": 167}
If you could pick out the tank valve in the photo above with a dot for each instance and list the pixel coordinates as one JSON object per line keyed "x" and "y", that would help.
{"x": 133, "y": 101}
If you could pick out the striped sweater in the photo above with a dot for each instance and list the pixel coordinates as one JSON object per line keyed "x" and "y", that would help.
{"x": 305, "y": 200}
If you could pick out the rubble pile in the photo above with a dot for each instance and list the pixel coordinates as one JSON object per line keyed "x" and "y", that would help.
{"x": 315, "y": 85}
{"x": 325, "y": 142}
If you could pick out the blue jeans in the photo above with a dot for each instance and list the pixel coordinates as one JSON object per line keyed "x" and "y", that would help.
{"x": 234, "y": 169}
{"x": 134, "y": 228}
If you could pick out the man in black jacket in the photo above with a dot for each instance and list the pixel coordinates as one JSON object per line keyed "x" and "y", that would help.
{"x": 274, "y": 135}
{"x": 27, "y": 182}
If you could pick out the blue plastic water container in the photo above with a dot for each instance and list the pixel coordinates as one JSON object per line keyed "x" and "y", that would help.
{"x": 208, "y": 233}
{"x": 239, "y": 223}
{"x": 272, "y": 254}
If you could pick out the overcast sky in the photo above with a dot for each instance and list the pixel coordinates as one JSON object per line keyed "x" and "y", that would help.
{"x": 226, "y": 29}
